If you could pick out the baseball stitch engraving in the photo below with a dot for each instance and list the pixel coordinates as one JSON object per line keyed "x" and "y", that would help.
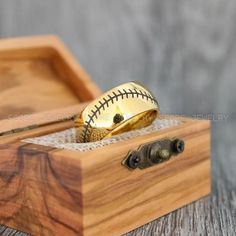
{"x": 105, "y": 102}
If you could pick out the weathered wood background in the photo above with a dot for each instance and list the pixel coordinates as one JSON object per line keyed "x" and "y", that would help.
{"x": 185, "y": 51}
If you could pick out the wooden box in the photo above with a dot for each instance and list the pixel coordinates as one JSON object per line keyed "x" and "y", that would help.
{"x": 50, "y": 191}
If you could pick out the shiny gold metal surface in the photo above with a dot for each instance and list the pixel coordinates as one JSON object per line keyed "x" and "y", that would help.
{"x": 124, "y": 108}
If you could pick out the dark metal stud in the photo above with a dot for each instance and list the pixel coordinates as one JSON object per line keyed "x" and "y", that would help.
{"x": 118, "y": 118}
{"x": 164, "y": 154}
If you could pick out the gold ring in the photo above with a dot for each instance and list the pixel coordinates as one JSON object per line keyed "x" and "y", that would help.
{"x": 124, "y": 108}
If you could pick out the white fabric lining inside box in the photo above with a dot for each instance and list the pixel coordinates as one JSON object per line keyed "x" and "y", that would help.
{"x": 67, "y": 139}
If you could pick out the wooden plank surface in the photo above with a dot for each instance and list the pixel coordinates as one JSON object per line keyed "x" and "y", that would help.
{"x": 183, "y": 50}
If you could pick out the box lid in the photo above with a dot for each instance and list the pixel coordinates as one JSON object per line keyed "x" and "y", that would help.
{"x": 40, "y": 82}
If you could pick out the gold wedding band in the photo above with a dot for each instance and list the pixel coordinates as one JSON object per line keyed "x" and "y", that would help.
{"x": 124, "y": 108}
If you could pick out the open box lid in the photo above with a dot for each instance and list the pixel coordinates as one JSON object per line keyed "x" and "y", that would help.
{"x": 40, "y": 83}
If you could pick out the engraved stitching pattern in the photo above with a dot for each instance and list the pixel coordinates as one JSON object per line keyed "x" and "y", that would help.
{"x": 104, "y": 102}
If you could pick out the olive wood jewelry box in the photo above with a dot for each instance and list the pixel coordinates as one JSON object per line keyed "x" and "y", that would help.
{"x": 50, "y": 191}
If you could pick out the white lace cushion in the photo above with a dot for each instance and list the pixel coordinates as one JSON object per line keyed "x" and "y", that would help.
{"x": 67, "y": 139}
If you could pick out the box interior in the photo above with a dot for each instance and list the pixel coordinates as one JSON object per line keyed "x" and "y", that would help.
{"x": 41, "y": 83}
{"x": 32, "y": 85}
{"x": 38, "y": 74}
